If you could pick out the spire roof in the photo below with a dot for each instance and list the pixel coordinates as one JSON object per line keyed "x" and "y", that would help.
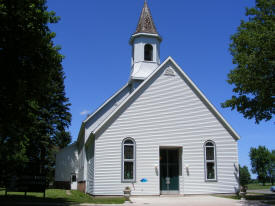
{"x": 146, "y": 23}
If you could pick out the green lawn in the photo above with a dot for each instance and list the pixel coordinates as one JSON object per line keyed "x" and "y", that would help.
{"x": 257, "y": 186}
{"x": 264, "y": 198}
{"x": 58, "y": 196}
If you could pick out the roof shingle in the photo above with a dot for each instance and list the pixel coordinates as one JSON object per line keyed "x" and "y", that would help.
{"x": 146, "y": 23}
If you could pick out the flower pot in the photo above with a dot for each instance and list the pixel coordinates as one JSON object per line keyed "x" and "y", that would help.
{"x": 243, "y": 192}
{"x": 127, "y": 194}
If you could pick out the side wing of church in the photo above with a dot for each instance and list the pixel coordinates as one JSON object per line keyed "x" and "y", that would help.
{"x": 158, "y": 134}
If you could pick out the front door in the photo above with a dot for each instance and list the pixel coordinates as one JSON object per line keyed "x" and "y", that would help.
{"x": 169, "y": 171}
{"x": 73, "y": 182}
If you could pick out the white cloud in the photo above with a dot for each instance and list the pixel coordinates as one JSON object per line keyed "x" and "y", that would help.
{"x": 85, "y": 112}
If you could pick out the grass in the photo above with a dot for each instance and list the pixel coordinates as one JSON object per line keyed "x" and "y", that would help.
{"x": 58, "y": 196}
{"x": 235, "y": 197}
{"x": 258, "y": 186}
{"x": 264, "y": 198}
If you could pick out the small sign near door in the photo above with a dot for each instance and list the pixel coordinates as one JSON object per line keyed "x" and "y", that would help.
{"x": 144, "y": 180}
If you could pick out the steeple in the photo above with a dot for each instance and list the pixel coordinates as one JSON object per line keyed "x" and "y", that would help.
{"x": 146, "y": 23}
{"x": 146, "y": 43}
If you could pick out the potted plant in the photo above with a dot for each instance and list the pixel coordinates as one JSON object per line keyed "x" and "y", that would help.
{"x": 127, "y": 193}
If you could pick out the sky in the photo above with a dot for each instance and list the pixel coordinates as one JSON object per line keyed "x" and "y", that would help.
{"x": 94, "y": 37}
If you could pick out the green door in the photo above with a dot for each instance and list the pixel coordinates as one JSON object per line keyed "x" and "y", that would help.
{"x": 169, "y": 171}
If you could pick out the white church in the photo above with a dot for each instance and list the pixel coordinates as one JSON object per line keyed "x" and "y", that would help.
{"x": 158, "y": 134}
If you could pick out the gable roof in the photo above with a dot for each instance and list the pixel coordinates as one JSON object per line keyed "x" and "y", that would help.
{"x": 189, "y": 82}
{"x": 99, "y": 109}
{"x": 106, "y": 102}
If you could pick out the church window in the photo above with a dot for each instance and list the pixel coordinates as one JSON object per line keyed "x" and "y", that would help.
{"x": 128, "y": 160}
{"x": 148, "y": 52}
{"x": 210, "y": 161}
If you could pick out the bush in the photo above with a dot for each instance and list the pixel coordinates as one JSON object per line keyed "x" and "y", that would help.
{"x": 244, "y": 176}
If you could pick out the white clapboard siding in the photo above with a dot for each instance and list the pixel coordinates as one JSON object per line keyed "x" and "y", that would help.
{"x": 66, "y": 163}
{"x": 166, "y": 112}
{"x": 90, "y": 166}
{"x": 82, "y": 159}
{"x": 103, "y": 112}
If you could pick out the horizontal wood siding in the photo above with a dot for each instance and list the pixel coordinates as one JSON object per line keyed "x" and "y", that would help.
{"x": 82, "y": 159}
{"x": 90, "y": 167}
{"x": 166, "y": 112}
{"x": 66, "y": 163}
{"x": 106, "y": 110}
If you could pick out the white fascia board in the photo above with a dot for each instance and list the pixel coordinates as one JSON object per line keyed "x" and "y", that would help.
{"x": 80, "y": 133}
{"x": 191, "y": 83}
{"x": 88, "y": 141}
{"x": 144, "y": 34}
{"x": 128, "y": 98}
{"x": 106, "y": 102}
{"x": 208, "y": 103}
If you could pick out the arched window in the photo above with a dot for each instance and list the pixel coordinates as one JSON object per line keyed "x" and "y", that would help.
{"x": 148, "y": 52}
{"x": 128, "y": 160}
{"x": 210, "y": 161}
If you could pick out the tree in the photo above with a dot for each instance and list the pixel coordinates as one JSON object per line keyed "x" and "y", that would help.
{"x": 271, "y": 167}
{"x": 34, "y": 113}
{"x": 244, "y": 176}
{"x": 260, "y": 158}
{"x": 252, "y": 48}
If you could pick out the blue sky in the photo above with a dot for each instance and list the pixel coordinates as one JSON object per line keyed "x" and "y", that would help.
{"x": 94, "y": 38}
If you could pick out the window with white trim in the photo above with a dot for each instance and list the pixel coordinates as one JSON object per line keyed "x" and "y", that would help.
{"x": 210, "y": 161}
{"x": 128, "y": 160}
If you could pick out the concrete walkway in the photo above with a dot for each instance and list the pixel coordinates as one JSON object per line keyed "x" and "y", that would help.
{"x": 262, "y": 191}
{"x": 194, "y": 200}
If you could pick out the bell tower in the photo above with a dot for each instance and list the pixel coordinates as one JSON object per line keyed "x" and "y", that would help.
{"x": 145, "y": 44}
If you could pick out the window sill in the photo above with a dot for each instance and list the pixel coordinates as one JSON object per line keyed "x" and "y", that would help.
{"x": 211, "y": 180}
{"x": 128, "y": 181}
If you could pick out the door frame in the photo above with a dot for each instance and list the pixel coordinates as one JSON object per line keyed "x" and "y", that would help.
{"x": 73, "y": 181}
{"x": 179, "y": 149}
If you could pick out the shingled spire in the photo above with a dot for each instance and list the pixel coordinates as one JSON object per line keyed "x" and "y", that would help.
{"x": 146, "y": 23}
{"x": 146, "y": 46}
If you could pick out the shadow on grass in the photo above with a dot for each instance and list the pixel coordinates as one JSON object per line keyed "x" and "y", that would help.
{"x": 261, "y": 197}
{"x": 56, "y": 197}
{"x": 32, "y": 200}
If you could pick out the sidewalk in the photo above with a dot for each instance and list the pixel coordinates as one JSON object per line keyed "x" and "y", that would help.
{"x": 262, "y": 191}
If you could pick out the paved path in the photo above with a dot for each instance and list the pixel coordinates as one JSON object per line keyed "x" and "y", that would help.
{"x": 68, "y": 192}
{"x": 194, "y": 200}
{"x": 262, "y": 191}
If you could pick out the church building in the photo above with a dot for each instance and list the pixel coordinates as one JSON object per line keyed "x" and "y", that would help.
{"x": 157, "y": 135}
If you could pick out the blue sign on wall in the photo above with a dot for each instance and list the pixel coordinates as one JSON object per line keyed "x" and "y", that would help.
{"x": 144, "y": 180}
